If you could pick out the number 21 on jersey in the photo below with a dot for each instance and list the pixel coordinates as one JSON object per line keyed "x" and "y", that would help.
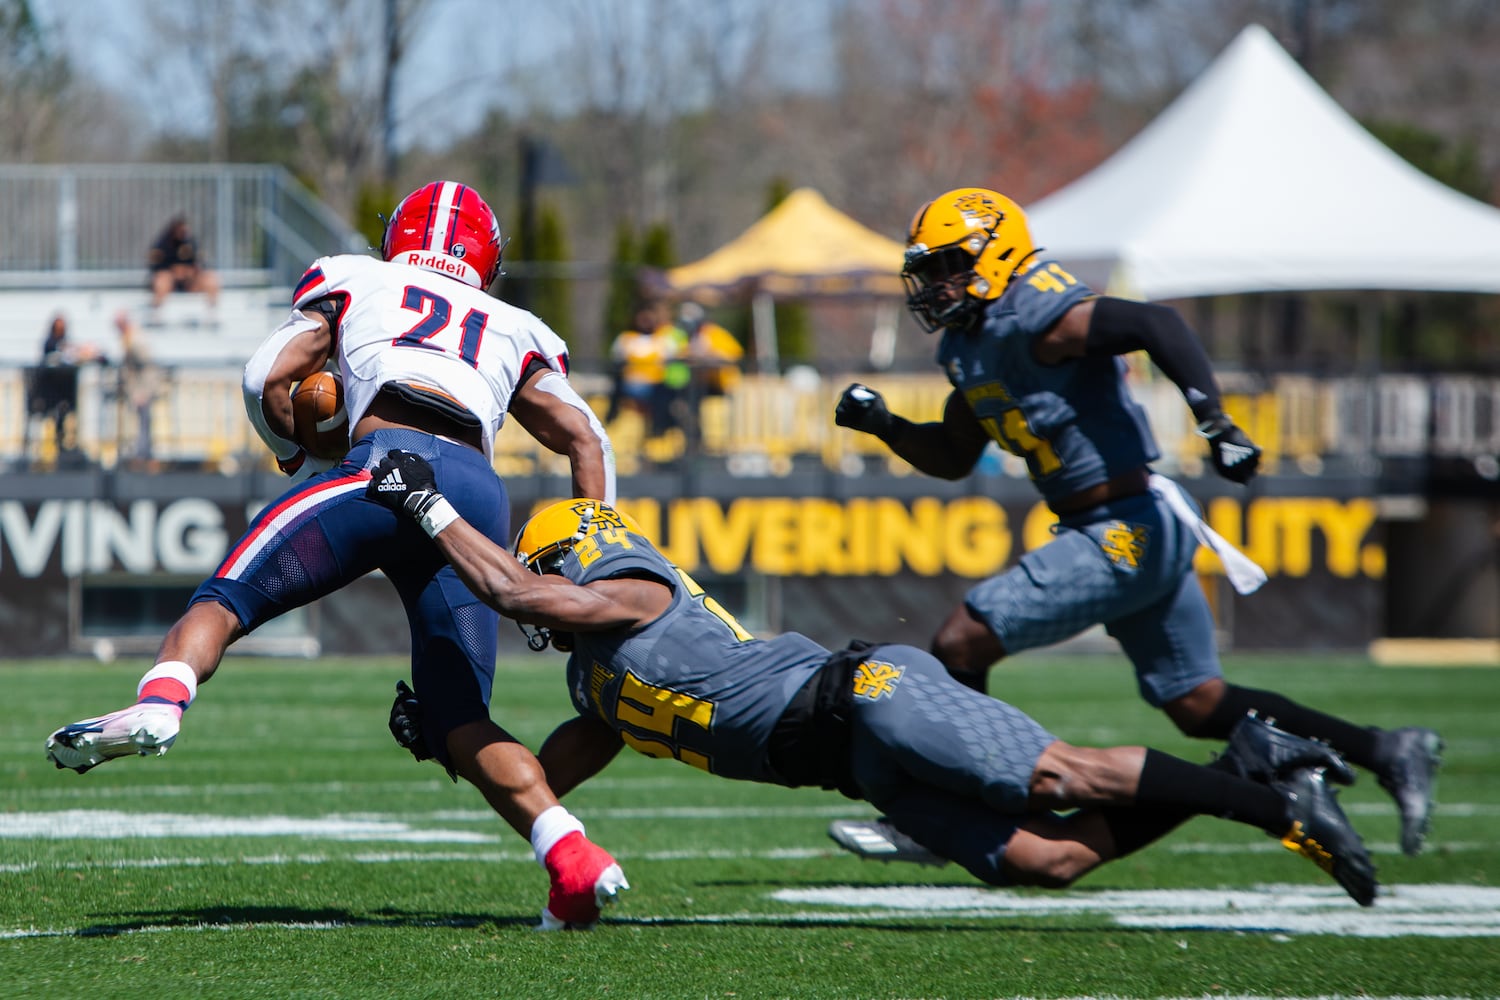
{"x": 431, "y": 331}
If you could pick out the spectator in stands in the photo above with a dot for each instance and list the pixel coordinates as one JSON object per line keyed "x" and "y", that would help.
{"x": 55, "y": 345}
{"x": 52, "y": 387}
{"x": 140, "y": 384}
{"x": 708, "y": 366}
{"x": 678, "y": 377}
{"x": 640, "y": 356}
{"x": 176, "y": 266}
{"x": 712, "y": 351}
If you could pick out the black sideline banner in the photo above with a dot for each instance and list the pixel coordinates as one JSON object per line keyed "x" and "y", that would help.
{"x": 877, "y": 565}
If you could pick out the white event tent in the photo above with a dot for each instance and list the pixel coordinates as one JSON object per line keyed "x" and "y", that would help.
{"x": 1255, "y": 180}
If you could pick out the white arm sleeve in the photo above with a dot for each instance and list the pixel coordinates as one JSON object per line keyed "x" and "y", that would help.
{"x": 258, "y": 369}
{"x": 555, "y": 383}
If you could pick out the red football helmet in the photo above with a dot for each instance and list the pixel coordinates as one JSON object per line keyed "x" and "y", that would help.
{"x": 445, "y": 227}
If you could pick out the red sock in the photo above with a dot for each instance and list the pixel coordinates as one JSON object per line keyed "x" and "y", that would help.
{"x": 165, "y": 689}
{"x": 169, "y": 683}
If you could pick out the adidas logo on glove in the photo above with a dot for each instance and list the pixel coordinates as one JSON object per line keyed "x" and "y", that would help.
{"x": 1234, "y": 454}
{"x": 392, "y": 483}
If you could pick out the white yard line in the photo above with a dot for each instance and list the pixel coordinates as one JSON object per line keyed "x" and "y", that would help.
{"x": 1277, "y": 910}
{"x": 1401, "y": 911}
{"x": 301, "y": 788}
{"x": 366, "y": 828}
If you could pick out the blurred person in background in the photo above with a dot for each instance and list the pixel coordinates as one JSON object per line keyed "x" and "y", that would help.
{"x": 640, "y": 358}
{"x": 52, "y": 389}
{"x": 707, "y": 365}
{"x": 56, "y": 348}
{"x": 1035, "y": 360}
{"x": 59, "y": 349}
{"x": 656, "y": 664}
{"x": 432, "y": 364}
{"x": 141, "y": 383}
{"x": 176, "y": 266}
{"x": 712, "y": 351}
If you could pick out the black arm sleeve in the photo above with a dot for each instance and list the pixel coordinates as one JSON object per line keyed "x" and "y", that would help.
{"x": 1120, "y": 326}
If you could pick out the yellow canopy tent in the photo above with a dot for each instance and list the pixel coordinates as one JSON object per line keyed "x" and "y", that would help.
{"x": 803, "y": 247}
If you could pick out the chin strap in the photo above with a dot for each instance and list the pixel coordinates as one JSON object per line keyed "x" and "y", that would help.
{"x": 537, "y": 637}
{"x": 1024, "y": 264}
{"x": 583, "y": 525}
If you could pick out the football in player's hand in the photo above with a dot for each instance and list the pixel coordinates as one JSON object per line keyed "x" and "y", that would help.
{"x": 318, "y": 416}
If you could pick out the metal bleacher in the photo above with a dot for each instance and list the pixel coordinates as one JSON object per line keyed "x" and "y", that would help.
{"x": 71, "y": 226}
{"x": 77, "y": 237}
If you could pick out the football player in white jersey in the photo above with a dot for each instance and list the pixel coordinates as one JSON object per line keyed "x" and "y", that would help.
{"x": 431, "y": 364}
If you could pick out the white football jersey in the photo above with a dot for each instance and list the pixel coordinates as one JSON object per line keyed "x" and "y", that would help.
{"x": 399, "y": 323}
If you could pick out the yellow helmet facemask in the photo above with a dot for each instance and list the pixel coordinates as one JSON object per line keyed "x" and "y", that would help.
{"x": 548, "y": 536}
{"x": 962, "y": 250}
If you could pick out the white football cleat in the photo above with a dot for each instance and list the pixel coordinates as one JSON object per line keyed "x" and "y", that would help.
{"x": 146, "y": 729}
{"x": 879, "y": 840}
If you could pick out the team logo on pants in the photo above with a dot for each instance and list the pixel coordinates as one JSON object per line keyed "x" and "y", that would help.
{"x": 1124, "y": 544}
{"x": 874, "y": 680}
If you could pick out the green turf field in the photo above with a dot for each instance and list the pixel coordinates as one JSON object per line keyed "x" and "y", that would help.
{"x": 287, "y": 848}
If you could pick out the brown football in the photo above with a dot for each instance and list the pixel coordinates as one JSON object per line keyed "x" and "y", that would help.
{"x": 318, "y": 416}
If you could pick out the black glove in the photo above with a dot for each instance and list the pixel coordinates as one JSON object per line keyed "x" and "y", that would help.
{"x": 863, "y": 409}
{"x": 406, "y": 725}
{"x": 406, "y": 722}
{"x": 1235, "y": 456}
{"x": 403, "y": 481}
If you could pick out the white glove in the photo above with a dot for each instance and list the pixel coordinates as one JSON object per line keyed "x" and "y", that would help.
{"x": 309, "y": 466}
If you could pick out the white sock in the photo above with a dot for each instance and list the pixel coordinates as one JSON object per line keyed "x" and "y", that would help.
{"x": 552, "y": 825}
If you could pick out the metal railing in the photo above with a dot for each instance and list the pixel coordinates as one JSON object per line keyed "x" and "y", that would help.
{"x": 766, "y": 423}
{"x": 85, "y": 225}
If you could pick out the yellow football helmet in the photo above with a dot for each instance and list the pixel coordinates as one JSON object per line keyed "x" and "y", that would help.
{"x": 548, "y": 536}
{"x": 962, "y": 250}
{"x": 551, "y": 532}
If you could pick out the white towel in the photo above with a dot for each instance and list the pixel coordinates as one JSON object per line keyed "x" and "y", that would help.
{"x": 1244, "y": 575}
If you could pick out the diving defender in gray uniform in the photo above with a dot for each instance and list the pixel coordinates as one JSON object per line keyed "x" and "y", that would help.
{"x": 1034, "y": 359}
{"x": 657, "y": 664}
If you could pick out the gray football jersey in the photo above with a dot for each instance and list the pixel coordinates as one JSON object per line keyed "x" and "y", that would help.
{"x": 1075, "y": 423}
{"x": 693, "y": 684}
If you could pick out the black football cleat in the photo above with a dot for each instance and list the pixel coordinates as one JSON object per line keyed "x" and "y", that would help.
{"x": 1412, "y": 757}
{"x": 1259, "y": 751}
{"x": 1321, "y": 833}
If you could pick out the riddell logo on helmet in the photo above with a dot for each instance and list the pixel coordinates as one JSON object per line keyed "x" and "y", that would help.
{"x": 441, "y": 263}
